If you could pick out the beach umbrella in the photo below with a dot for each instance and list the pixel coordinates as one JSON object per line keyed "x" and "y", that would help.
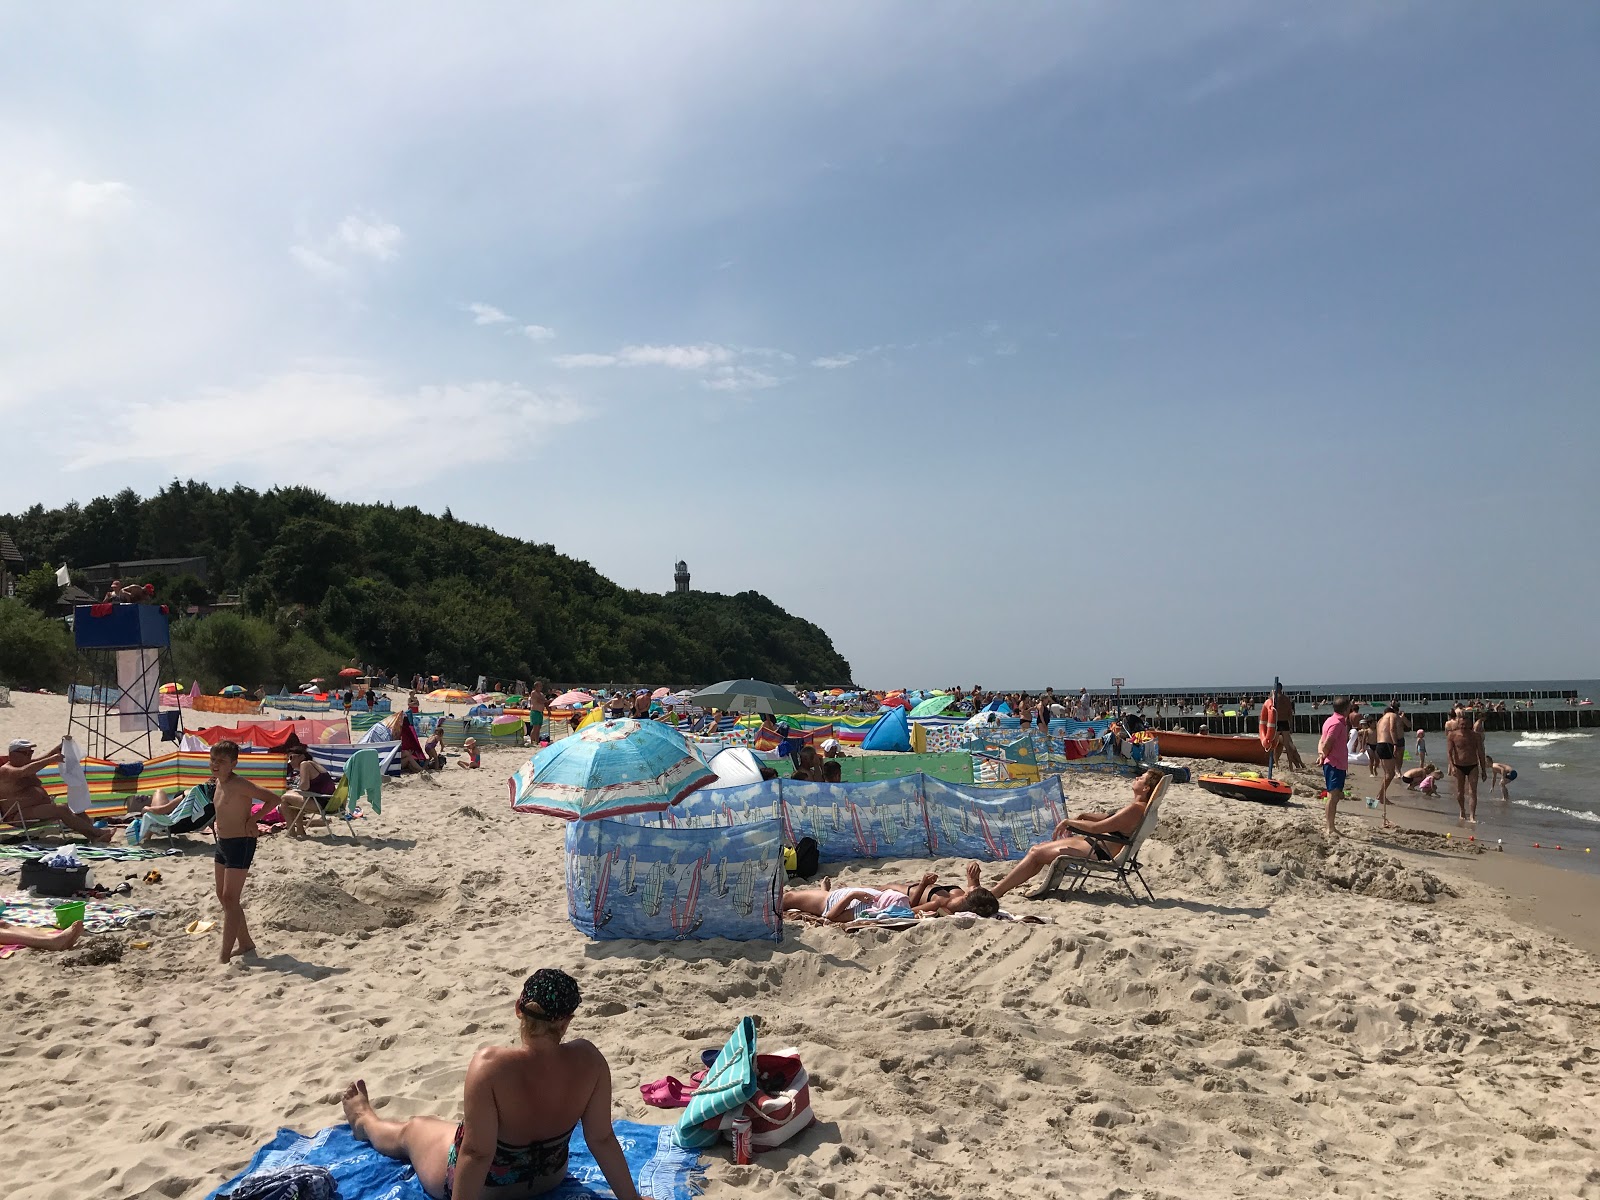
{"x": 170, "y": 689}
{"x": 609, "y": 769}
{"x": 571, "y": 700}
{"x": 749, "y": 696}
{"x": 660, "y": 692}
{"x": 933, "y": 706}
{"x": 350, "y": 673}
{"x": 315, "y": 680}
{"x": 896, "y": 701}
{"x": 233, "y": 689}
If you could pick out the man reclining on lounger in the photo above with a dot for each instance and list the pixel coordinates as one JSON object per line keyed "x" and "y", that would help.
{"x": 930, "y": 898}
{"x": 1069, "y": 837}
{"x": 22, "y": 796}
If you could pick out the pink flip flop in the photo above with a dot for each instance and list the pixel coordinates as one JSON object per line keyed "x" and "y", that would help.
{"x": 670, "y": 1092}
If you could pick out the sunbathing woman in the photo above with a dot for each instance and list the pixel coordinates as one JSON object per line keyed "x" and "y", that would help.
{"x": 520, "y": 1106}
{"x": 839, "y": 905}
{"x": 930, "y": 898}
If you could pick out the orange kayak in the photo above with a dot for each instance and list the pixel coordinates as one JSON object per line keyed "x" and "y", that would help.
{"x": 1262, "y": 791}
{"x": 1207, "y": 745}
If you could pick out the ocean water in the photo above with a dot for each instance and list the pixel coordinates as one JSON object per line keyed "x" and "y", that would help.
{"x": 1555, "y": 799}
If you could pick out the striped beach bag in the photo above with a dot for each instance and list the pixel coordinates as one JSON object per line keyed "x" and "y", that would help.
{"x": 772, "y": 1090}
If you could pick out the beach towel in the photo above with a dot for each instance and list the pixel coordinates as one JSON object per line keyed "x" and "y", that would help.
{"x": 72, "y": 774}
{"x": 660, "y": 1167}
{"x": 194, "y": 812}
{"x": 39, "y": 912}
{"x": 364, "y": 776}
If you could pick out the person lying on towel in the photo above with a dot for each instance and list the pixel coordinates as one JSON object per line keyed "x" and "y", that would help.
{"x": 519, "y": 1107}
{"x": 1069, "y": 838}
{"x": 841, "y": 905}
{"x": 930, "y": 898}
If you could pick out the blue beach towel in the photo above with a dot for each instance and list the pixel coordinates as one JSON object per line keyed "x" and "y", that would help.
{"x": 729, "y": 1083}
{"x": 660, "y": 1167}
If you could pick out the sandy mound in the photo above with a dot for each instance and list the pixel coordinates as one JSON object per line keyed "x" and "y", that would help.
{"x": 1267, "y": 857}
{"x": 320, "y": 904}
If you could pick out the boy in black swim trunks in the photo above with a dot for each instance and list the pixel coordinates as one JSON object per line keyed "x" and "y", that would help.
{"x": 236, "y": 844}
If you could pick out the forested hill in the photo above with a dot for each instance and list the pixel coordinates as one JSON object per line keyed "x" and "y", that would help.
{"x": 415, "y": 592}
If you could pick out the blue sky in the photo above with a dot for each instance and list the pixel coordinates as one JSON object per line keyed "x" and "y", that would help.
{"x": 1014, "y": 343}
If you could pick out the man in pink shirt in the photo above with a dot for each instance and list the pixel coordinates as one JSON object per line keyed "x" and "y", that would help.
{"x": 1333, "y": 753}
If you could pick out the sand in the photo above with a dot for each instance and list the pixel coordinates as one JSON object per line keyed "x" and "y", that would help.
{"x": 1292, "y": 1018}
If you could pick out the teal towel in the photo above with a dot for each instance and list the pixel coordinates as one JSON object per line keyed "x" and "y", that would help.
{"x": 364, "y": 774}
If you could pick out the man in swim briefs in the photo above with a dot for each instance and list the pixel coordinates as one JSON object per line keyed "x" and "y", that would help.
{"x": 1464, "y": 748}
{"x": 1075, "y": 837}
{"x": 236, "y": 844}
{"x": 1389, "y": 745}
{"x": 1283, "y": 717}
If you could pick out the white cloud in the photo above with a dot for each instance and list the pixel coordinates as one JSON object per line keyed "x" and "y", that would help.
{"x": 335, "y": 428}
{"x": 486, "y": 314}
{"x": 1006, "y": 349}
{"x": 86, "y": 198}
{"x": 355, "y": 238}
{"x": 680, "y": 358}
{"x": 379, "y": 240}
{"x": 834, "y": 362}
{"x": 739, "y": 379}
{"x": 538, "y": 333}
{"x": 569, "y": 362}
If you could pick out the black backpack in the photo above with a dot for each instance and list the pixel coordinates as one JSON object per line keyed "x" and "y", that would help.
{"x": 807, "y": 857}
{"x": 300, "y": 1182}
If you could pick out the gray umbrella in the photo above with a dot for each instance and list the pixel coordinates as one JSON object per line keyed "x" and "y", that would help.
{"x": 750, "y": 696}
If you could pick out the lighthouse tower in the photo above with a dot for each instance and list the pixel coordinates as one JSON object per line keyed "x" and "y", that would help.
{"x": 680, "y": 576}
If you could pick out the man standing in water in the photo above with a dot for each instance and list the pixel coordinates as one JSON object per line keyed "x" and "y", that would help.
{"x": 1387, "y": 749}
{"x": 1333, "y": 755}
{"x": 1463, "y": 748}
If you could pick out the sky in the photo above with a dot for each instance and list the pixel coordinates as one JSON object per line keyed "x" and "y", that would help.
{"x": 1012, "y": 343}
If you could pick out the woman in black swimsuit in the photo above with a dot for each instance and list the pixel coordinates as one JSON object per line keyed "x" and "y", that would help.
{"x": 519, "y": 1108}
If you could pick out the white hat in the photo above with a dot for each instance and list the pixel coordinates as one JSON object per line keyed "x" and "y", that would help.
{"x": 830, "y": 745}
{"x": 20, "y": 744}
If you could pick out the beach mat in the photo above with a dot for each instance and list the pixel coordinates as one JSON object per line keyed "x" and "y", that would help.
{"x": 660, "y": 1167}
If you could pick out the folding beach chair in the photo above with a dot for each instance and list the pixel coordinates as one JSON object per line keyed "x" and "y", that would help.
{"x": 1123, "y": 852}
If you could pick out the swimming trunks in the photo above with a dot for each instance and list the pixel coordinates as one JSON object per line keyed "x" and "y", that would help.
{"x": 1465, "y": 771}
{"x": 1511, "y": 776}
{"x": 1283, "y": 726}
{"x": 513, "y": 1164}
{"x": 1332, "y": 778}
{"x": 235, "y": 853}
{"x": 1383, "y": 750}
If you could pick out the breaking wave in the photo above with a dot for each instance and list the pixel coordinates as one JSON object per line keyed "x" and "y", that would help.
{"x": 1594, "y": 818}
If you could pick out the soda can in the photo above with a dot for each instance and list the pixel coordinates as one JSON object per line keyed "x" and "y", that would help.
{"x": 742, "y": 1149}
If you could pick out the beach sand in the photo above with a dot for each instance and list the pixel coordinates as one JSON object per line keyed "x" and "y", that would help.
{"x": 1374, "y": 1017}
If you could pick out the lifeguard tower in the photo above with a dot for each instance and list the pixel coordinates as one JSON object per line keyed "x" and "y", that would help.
{"x": 123, "y": 652}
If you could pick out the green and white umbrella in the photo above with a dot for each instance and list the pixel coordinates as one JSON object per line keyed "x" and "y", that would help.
{"x": 749, "y": 696}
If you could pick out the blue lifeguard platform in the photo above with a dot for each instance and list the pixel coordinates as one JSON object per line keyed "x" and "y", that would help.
{"x": 125, "y": 627}
{"x": 124, "y": 652}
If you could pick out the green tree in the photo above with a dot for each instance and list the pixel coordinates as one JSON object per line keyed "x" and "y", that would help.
{"x": 39, "y": 590}
{"x": 35, "y": 651}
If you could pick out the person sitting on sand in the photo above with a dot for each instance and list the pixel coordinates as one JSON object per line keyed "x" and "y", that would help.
{"x": 23, "y": 798}
{"x": 519, "y": 1106}
{"x": 930, "y": 898}
{"x": 470, "y": 758}
{"x": 1069, "y": 838}
{"x": 1414, "y": 777}
{"x": 840, "y": 905}
{"x": 40, "y": 939}
{"x": 312, "y": 785}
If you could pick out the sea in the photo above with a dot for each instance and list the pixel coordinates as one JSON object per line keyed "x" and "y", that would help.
{"x": 1555, "y": 799}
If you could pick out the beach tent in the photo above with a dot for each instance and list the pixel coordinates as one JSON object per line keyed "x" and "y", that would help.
{"x": 734, "y": 767}
{"x": 997, "y": 706}
{"x": 890, "y": 733}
